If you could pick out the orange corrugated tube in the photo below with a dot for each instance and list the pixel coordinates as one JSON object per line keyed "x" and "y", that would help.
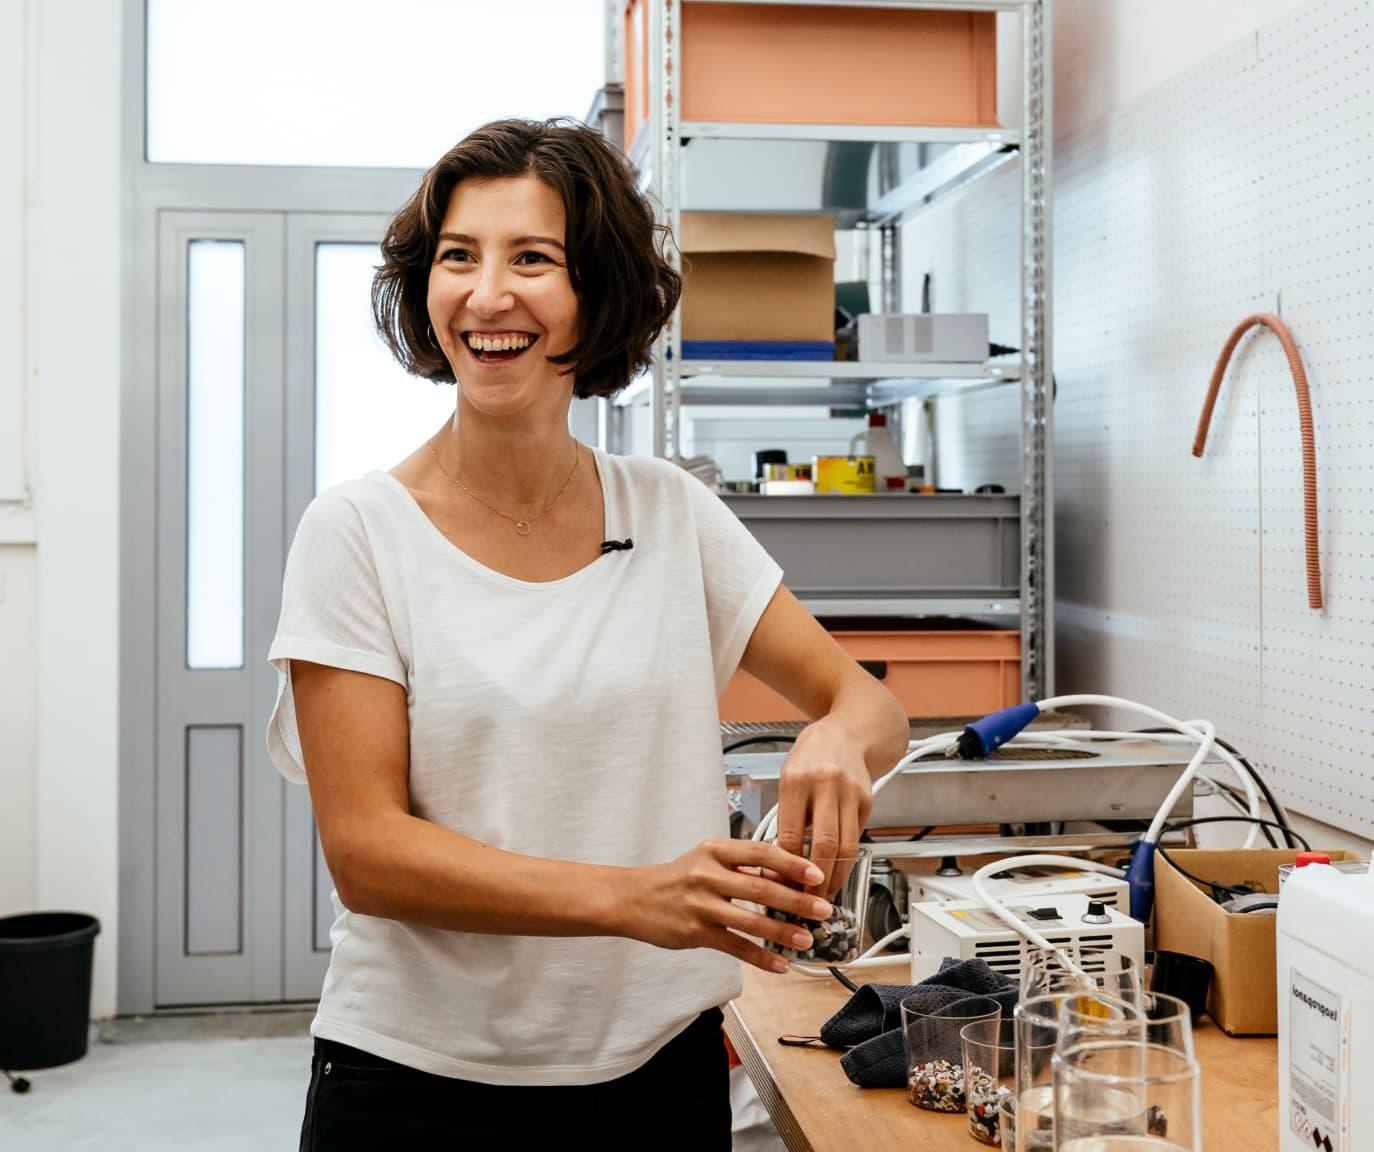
{"x": 1309, "y": 444}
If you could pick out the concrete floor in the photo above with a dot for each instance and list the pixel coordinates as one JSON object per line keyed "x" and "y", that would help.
{"x": 208, "y": 1083}
{"x": 221, "y": 1083}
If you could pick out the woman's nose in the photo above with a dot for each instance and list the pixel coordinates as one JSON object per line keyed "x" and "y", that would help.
{"x": 491, "y": 294}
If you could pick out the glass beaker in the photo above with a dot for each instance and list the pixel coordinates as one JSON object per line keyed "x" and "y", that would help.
{"x": 1043, "y": 1025}
{"x": 838, "y": 939}
{"x": 1044, "y": 973}
{"x": 1107, "y": 1091}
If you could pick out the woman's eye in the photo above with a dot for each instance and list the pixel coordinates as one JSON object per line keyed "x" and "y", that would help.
{"x": 531, "y": 258}
{"x": 456, "y": 254}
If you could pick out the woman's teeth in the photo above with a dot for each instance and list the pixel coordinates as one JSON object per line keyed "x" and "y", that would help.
{"x": 479, "y": 342}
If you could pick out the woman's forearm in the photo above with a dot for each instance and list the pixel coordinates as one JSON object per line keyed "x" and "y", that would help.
{"x": 865, "y": 716}
{"x": 405, "y": 868}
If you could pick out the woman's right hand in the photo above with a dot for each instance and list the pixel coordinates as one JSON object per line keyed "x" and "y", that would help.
{"x": 690, "y": 902}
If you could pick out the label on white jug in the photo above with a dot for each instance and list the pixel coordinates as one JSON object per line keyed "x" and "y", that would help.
{"x": 1317, "y": 1060}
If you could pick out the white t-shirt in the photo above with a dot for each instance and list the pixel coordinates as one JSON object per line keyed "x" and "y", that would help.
{"x": 573, "y": 720}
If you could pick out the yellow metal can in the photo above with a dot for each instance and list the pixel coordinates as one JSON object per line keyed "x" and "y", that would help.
{"x": 849, "y": 475}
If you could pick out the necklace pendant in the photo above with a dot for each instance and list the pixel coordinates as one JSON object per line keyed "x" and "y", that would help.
{"x": 522, "y": 528}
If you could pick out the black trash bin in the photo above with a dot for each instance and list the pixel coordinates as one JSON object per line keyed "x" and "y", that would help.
{"x": 45, "y": 988}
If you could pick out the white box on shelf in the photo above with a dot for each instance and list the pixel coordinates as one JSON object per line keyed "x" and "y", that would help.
{"x": 961, "y": 337}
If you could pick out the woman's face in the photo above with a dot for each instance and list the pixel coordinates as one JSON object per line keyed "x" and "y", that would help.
{"x": 500, "y": 299}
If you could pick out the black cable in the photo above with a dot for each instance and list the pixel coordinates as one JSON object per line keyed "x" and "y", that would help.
{"x": 745, "y": 741}
{"x": 1284, "y": 827}
{"x": 1180, "y": 825}
{"x": 1218, "y": 890}
{"x": 1239, "y": 798}
{"x": 843, "y": 979}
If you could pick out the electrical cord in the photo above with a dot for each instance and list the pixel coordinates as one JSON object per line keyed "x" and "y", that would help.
{"x": 1275, "y": 804}
{"x": 1000, "y": 910}
{"x": 979, "y": 739}
{"x": 1218, "y": 890}
{"x": 843, "y": 979}
{"x": 757, "y": 738}
{"x": 1180, "y": 825}
{"x": 1234, "y": 798}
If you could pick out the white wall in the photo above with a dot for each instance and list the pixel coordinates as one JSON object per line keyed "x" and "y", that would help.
{"x": 1107, "y": 53}
{"x": 59, "y": 578}
{"x": 18, "y": 637}
{"x": 1189, "y": 190}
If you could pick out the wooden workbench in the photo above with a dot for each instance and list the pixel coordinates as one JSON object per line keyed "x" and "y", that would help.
{"x": 815, "y": 1108}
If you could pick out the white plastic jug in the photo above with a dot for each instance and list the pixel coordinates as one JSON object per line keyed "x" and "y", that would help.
{"x": 877, "y": 441}
{"x": 1325, "y": 959}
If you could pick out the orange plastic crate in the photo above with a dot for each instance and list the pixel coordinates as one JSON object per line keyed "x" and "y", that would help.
{"x": 953, "y": 673}
{"x": 809, "y": 64}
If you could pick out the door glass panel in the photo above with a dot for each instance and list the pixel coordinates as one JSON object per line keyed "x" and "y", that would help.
{"x": 214, "y": 453}
{"x": 390, "y": 85}
{"x": 368, "y": 412}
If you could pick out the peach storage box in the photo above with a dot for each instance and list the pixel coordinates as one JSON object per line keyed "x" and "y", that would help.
{"x": 809, "y": 64}
{"x": 947, "y": 673}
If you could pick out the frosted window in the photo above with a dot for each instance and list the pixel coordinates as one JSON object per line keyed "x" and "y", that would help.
{"x": 359, "y": 82}
{"x": 368, "y": 412}
{"x": 214, "y": 454}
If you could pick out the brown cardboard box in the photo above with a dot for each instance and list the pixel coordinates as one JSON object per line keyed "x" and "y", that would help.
{"x": 1244, "y": 1000}
{"x": 816, "y": 64}
{"x": 758, "y": 277}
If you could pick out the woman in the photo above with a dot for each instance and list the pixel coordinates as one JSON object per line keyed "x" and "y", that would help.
{"x": 499, "y": 668}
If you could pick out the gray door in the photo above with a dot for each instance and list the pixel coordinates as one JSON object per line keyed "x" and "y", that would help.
{"x": 349, "y": 409}
{"x": 220, "y": 529}
{"x": 271, "y": 386}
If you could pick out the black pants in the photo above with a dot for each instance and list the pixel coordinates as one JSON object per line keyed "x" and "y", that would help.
{"x": 679, "y": 1099}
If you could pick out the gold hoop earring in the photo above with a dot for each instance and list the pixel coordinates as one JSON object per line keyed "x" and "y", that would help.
{"x": 429, "y": 328}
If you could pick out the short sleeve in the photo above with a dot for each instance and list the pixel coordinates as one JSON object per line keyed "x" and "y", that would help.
{"x": 332, "y": 612}
{"x": 740, "y": 578}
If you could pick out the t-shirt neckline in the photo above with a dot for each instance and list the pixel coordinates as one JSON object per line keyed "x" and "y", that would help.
{"x": 608, "y": 527}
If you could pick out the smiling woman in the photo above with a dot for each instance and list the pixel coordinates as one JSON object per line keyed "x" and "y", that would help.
{"x": 498, "y": 670}
{"x": 588, "y": 230}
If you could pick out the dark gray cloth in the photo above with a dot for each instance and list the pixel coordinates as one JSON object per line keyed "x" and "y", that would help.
{"x": 870, "y": 1023}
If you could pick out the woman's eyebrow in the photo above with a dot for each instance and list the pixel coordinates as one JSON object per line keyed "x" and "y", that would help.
{"x": 549, "y": 240}
{"x": 517, "y": 241}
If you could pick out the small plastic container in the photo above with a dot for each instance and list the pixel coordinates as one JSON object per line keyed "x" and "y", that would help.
{"x": 839, "y": 939}
{"x": 989, "y": 1074}
{"x": 932, "y": 1041}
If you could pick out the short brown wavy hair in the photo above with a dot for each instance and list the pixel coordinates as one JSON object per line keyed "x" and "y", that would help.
{"x": 617, "y": 254}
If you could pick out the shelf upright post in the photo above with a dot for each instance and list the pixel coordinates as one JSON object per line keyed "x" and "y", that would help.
{"x": 665, "y": 130}
{"x": 610, "y": 418}
{"x": 1037, "y": 379}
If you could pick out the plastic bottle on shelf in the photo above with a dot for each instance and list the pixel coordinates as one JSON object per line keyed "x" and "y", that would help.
{"x": 877, "y": 442}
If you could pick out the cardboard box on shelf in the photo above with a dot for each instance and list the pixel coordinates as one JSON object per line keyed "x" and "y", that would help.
{"x": 1241, "y": 946}
{"x": 758, "y": 277}
{"x": 813, "y": 64}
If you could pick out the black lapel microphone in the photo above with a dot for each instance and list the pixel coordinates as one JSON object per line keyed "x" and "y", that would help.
{"x": 616, "y": 545}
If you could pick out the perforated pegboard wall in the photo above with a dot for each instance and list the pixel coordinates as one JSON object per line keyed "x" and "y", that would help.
{"x": 1245, "y": 183}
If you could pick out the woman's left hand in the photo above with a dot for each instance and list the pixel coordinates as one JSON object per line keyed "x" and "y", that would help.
{"x": 825, "y": 786}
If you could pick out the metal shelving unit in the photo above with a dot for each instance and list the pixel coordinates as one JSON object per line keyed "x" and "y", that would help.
{"x": 914, "y": 167}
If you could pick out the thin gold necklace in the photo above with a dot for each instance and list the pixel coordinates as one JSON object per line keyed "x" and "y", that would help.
{"x": 522, "y": 527}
